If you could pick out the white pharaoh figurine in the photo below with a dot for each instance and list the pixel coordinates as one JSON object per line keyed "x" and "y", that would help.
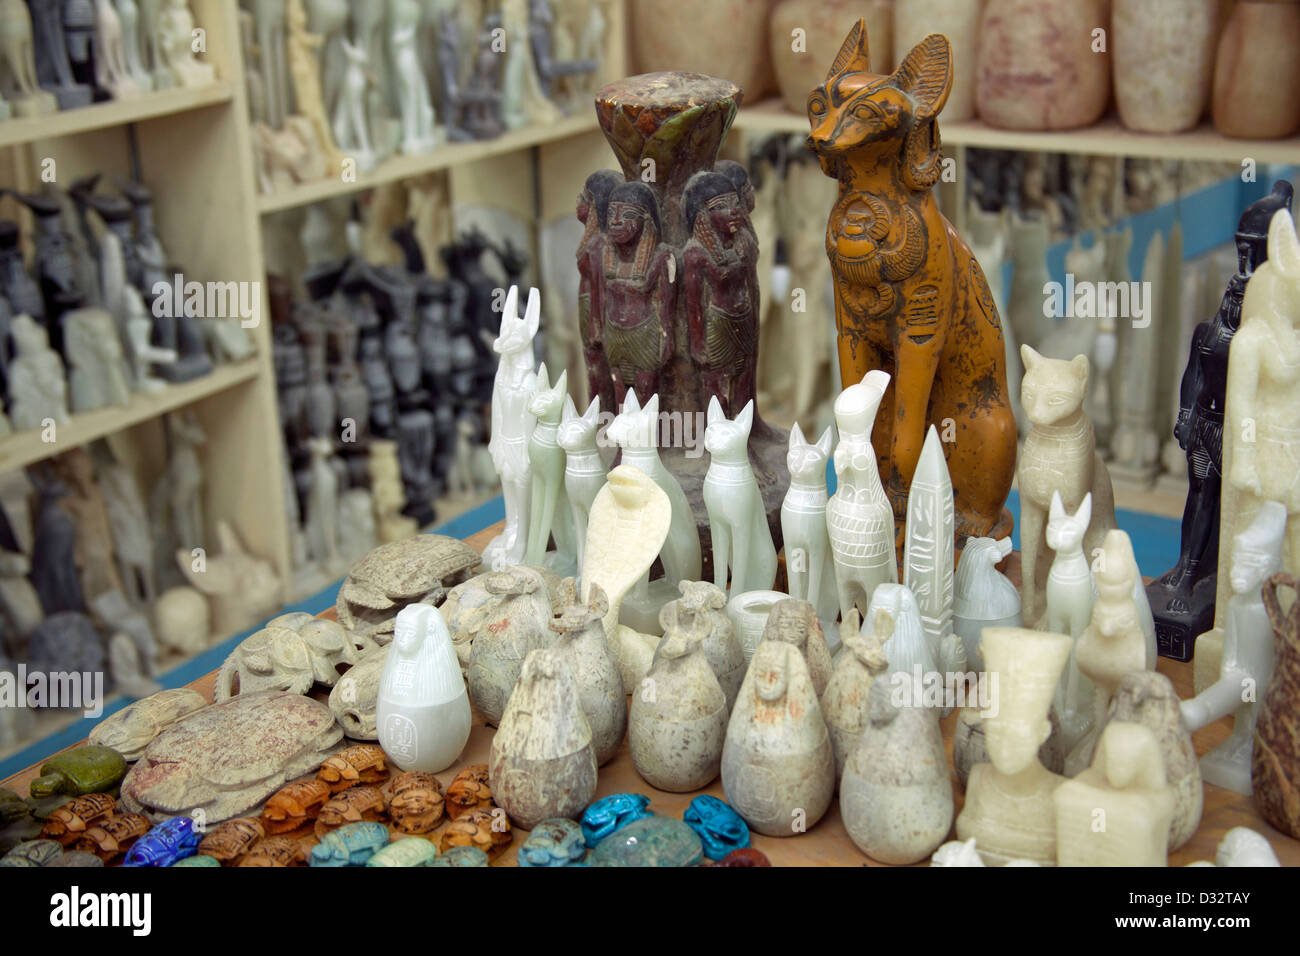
{"x": 351, "y": 120}
{"x": 636, "y": 430}
{"x": 1248, "y": 653}
{"x": 412, "y": 86}
{"x": 38, "y": 389}
{"x": 512, "y": 424}
{"x": 176, "y": 43}
{"x": 584, "y": 469}
{"x": 1009, "y": 808}
{"x": 858, "y": 516}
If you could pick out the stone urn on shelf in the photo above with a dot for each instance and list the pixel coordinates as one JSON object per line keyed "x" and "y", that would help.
{"x": 674, "y": 298}
{"x": 726, "y": 37}
{"x": 1257, "y": 71}
{"x": 1164, "y": 62}
{"x": 805, "y": 35}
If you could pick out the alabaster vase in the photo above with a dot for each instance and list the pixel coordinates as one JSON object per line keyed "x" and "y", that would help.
{"x": 1257, "y": 71}
{"x": 1164, "y": 61}
{"x": 1037, "y": 67}
{"x": 542, "y": 762}
{"x": 422, "y": 709}
{"x": 958, "y": 20}
{"x": 721, "y": 38}
{"x": 805, "y": 35}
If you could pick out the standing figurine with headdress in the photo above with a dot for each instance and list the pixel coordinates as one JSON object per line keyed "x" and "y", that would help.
{"x": 592, "y": 212}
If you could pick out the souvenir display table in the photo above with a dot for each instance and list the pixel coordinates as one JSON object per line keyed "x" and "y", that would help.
{"x": 827, "y": 843}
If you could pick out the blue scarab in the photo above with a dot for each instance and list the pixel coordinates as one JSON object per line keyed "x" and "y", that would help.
{"x": 719, "y": 827}
{"x": 164, "y": 845}
{"x": 350, "y": 845}
{"x": 558, "y": 842}
{"x": 612, "y": 813}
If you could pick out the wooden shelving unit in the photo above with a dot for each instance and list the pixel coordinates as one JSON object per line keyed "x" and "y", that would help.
{"x": 1107, "y": 138}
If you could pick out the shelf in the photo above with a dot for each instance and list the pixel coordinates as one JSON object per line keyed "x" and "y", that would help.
{"x": 1106, "y": 138}
{"x": 26, "y": 447}
{"x": 17, "y": 131}
{"x": 442, "y": 157}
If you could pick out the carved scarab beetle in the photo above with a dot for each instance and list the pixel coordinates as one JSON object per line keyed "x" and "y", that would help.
{"x": 469, "y": 791}
{"x": 274, "y": 851}
{"x": 293, "y": 805}
{"x": 355, "y": 698}
{"x": 351, "y": 845}
{"x": 413, "y": 852}
{"x": 32, "y": 853}
{"x": 69, "y": 821}
{"x": 612, "y": 813}
{"x": 361, "y": 763}
{"x": 417, "y": 804}
{"x": 169, "y": 841}
{"x": 351, "y": 806}
{"x": 113, "y": 835}
{"x": 487, "y": 829}
{"x": 291, "y": 653}
{"x": 231, "y": 840}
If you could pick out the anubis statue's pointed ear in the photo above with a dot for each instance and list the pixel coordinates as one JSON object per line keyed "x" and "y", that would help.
{"x": 926, "y": 76}
{"x": 855, "y": 53}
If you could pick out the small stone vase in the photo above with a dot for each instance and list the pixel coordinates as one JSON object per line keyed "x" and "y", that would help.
{"x": 896, "y": 793}
{"x": 801, "y": 58}
{"x": 542, "y": 763}
{"x": 725, "y": 38}
{"x": 845, "y": 703}
{"x": 703, "y": 600}
{"x": 1257, "y": 72}
{"x": 1275, "y": 768}
{"x": 795, "y": 622}
{"x": 518, "y": 625}
{"x": 778, "y": 768}
{"x": 679, "y": 717}
{"x": 1164, "y": 62}
{"x": 1037, "y": 67}
{"x": 600, "y": 685}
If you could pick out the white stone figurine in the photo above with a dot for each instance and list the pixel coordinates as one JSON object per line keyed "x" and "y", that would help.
{"x": 982, "y": 595}
{"x": 748, "y": 614}
{"x": 17, "y": 52}
{"x": 356, "y": 525}
{"x": 548, "y": 513}
{"x": 1242, "y": 846}
{"x": 907, "y": 647}
{"x": 176, "y": 40}
{"x": 522, "y": 101}
{"x": 1111, "y": 646}
{"x": 584, "y": 469}
{"x": 742, "y": 541}
{"x": 1069, "y": 609}
{"x": 38, "y": 391}
{"x": 809, "y": 565}
{"x": 97, "y": 374}
{"x": 144, "y": 354}
{"x": 1125, "y": 789}
{"x": 859, "y": 517}
{"x": 928, "y": 552}
{"x": 581, "y": 631}
{"x": 351, "y": 120}
{"x": 269, "y": 17}
{"x": 1248, "y": 653}
{"x": 323, "y": 505}
{"x": 112, "y": 72}
{"x": 412, "y": 85}
{"x": 512, "y": 425}
{"x": 128, "y": 12}
{"x": 844, "y": 702}
{"x": 124, "y": 665}
{"x": 422, "y": 711}
{"x": 160, "y": 77}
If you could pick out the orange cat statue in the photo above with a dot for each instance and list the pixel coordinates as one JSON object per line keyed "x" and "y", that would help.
{"x": 910, "y": 298}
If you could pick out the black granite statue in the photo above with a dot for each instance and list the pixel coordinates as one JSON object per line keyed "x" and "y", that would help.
{"x": 53, "y": 69}
{"x": 16, "y": 283}
{"x": 1182, "y": 599}
{"x": 54, "y": 563}
{"x": 56, "y": 270}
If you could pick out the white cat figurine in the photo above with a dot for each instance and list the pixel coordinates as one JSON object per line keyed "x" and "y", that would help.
{"x": 742, "y": 540}
{"x": 808, "y": 562}
{"x": 584, "y": 469}
{"x": 547, "y": 511}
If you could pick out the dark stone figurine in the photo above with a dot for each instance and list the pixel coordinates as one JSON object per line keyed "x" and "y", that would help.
{"x": 53, "y": 69}
{"x": 541, "y": 21}
{"x": 54, "y": 563}
{"x": 56, "y": 270}
{"x": 16, "y": 283}
{"x": 1182, "y": 599}
{"x": 592, "y": 211}
{"x": 68, "y": 641}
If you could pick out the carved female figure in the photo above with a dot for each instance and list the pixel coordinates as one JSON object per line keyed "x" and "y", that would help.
{"x": 721, "y": 289}
{"x": 636, "y": 294}
{"x": 592, "y": 211}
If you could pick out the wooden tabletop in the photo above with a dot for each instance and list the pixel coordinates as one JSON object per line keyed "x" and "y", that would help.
{"x": 827, "y": 843}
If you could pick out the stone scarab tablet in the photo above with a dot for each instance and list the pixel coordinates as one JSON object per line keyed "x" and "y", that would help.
{"x": 293, "y": 805}
{"x": 719, "y": 827}
{"x": 489, "y": 830}
{"x": 76, "y": 858}
{"x": 169, "y": 841}
{"x": 611, "y": 813}
{"x": 469, "y": 790}
{"x": 650, "y": 841}
{"x": 69, "y": 821}
{"x": 113, "y": 835}
{"x": 557, "y": 842}
{"x": 462, "y": 856}
{"x": 416, "y": 804}
{"x": 31, "y": 853}
{"x": 410, "y": 852}
{"x": 360, "y": 763}
{"x": 228, "y": 841}
{"x": 274, "y": 851}
{"x": 351, "y": 806}
{"x": 88, "y": 769}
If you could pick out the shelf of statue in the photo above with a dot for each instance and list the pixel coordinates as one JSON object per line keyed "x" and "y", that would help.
{"x": 1059, "y": 457}
{"x": 910, "y": 296}
{"x": 1009, "y": 808}
{"x": 673, "y": 301}
{"x": 1183, "y": 599}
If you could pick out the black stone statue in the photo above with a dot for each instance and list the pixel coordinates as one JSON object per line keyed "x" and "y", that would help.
{"x": 1182, "y": 599}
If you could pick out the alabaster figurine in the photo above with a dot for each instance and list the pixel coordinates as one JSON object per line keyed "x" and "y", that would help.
{"x": 1059, "y": 457}
{"x": 928, "y": 551}
{"x": 112, "y": 73}
{"x": 1009, "y": 809}
{"x": 896, "y": 794}
{"x": 422, "y": 709}
{"x": 542, "y": 763}
{"x": 547, "y": 514}
{"x": 408, "y": 73}
{"x": 904, "y": 302}
{"x": 678, "y": 719}
{"x": 795, "y": 622}
{"x": 302, "y": 49}
{"x": 354, "y": 700}
{"x": 519, "y": 625}
{"x": 240, "y": 586}
{"x": 778, "y": 768}
{"x": 584, "y": 469}
{"x": 908, "y": 647}
{"x": 1113, "y": 644}
{"x": 982, "y": 595}
{"x": 742, "y": 541}
{"x": 1275, "y": 763}
{"x": 844, "y": 703}
{"x": 175, "y": 39}
{"x": 18, "y": 55}
{"x": 37, "y": 389}
{"x": 1182, "y": 600}
{"x": 809, "y": 564}
{"x": 1118, "y": 811}
{"x": 387, "y": 492}
{"x": 291, "y": 653}
{"x": 704, "y": 603}
{"x": 1248, "y": 653}
{"x": 581, "y": 632}
{"x": 1069, "y": 592}
{"x": 523, "y": 101}
{"x": 512, "y": 424}
{"x": 858, "y": 517}
{"x": 182, "y": 620}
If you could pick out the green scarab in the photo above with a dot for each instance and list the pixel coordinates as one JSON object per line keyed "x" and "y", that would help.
{"x": 89, "y": 769}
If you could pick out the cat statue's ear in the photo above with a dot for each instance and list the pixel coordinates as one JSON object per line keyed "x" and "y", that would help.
{"x": 569, "y": 412}
{"x": 855, "y": 53}
{"x": 1029, "y": 357}
{"x": 1056, "y": 511}
{"x": 796, "y": 437}
{"x": 1079, "y": 365}
{"x": 715, "y": 411}
{"x": 1084, "y": 515}
{"x": 926, "y": 76}
{"x": 827, "y": 441}
{"x": 746, "y": 417}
